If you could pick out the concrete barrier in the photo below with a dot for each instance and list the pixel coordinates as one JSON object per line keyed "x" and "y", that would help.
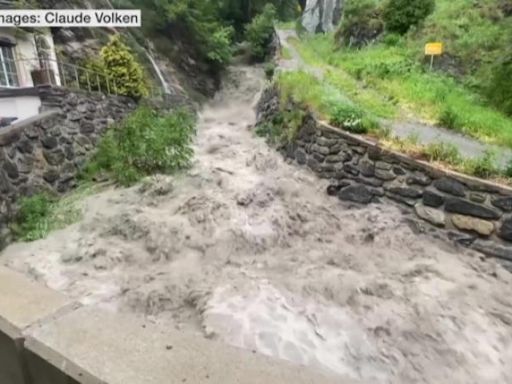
{"x": 46, "y": 339}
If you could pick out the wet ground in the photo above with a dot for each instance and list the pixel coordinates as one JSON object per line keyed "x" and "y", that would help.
{"x": 249, "y": 249}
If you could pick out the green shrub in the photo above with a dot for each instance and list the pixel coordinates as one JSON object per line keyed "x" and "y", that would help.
{"x": 260, "y": 32}
{"x": 31, "y": 223}
{"x": 121, "y": 67}
{"x": 392, "y": 39}
{"x": 484, "y": 166}
{"x": 219, "y": 49}
{"x": 350, "y": 118}
{"x": 446, "y": 152}
{"x": 270, "y": 69}
{"x": 144, "y": 144}
{"x": 361, "y": 23}
{"x": 500, "y": 88}
{"x": 401, "y": 15}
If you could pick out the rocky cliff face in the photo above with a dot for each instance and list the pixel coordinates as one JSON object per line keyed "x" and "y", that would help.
{"x": 322, "y": 16}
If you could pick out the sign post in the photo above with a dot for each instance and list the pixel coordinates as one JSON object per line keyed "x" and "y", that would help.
{"x": 433, "y": 49}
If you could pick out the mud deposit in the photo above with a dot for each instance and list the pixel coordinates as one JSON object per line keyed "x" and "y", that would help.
{"x": 249, "y": 249}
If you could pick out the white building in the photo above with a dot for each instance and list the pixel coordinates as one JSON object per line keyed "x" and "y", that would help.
{"x": 27, "y": 59}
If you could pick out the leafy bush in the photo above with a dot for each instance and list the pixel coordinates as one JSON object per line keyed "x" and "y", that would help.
{"x": 119, "y": 64}
{"x": 446, "y": 152}
{"x": 401, "y": 15}
{"x": 144, "y": 144}
{"x": 270, "y": 69}
{"x": 260, "y": 32}
{"x": 500, "y": 89}
{"x": 219, "y": 49}
{"x": 361, "y": 23}
{"x": 352, "y": 119}
{"x": 31, "y": 223}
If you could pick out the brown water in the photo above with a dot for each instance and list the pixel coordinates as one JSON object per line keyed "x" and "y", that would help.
{"x": 249, "y": 249}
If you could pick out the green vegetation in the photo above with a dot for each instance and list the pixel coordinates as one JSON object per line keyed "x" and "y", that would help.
{"x": 42, "y": 213}
{"x": 126, "y": 76}
{"x": 144, "y": 144}
{"x": 500, "y": 88}
{"x": 361, "y": 24}
{"x": 386, "y": 79}
{"x": 260, "y": 32}
{"x": 401, "y": 15}
{"x": 284, "y": 127}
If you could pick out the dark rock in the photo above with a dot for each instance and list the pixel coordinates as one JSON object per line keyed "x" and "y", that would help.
{"x": 25, "y": 164}
{"x": 367, "y": 167}
{"x": 418, "y": 178}
{"x": 351, "y": 169}
{"x": 51, "y": 175}
{"x": 451, "y": 186}
{"x": 399, "y": 171}
{"x": 320, "y": 149}
{"x": 432, "y": 199}
{"x": 74, "y": 116}
{"x": 31, "y": 132}
{"x": 461, "y": 238}
{"x": 335, "y": 158}
{"x": 319, "y": 157}
{"x": 477, "y": 197}
{"x": 313, "y": 164}
{"x": 49, "y": 142}
{"x": 409, "y": 192}
{"x": 401, "y": 199}
{"x": 504, "y": 203}
{"x": 327, "y": 167}
{"x": 357, "y": 194}
{"x": 86, "y": 127}
{"x": 25, "y": 146}
{"x": 493, "y": 249}
{"x": 466, "y": 207}
{"x": 505, "y": 231}
{"x": 300, "y": 156}
{"x": 333, "y": 189}
{"x": 369, "y": 181}
{"x": 383, "y": 165}
{"x": 385, "y": 175}
{"x": 55, "y": 157}
{"x": 324, "y": 142}
{"x": 10, "y": 169}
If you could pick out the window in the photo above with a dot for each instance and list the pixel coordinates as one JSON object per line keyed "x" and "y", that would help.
{"x": 8, "y": 74}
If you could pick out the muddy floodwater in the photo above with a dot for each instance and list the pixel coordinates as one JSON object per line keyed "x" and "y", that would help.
{"x": 249, "y": 249}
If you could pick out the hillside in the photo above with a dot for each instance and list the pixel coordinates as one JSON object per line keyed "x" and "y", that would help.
{"x": 386, "y": 77}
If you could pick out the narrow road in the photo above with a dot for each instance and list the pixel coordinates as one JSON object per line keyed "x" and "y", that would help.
{"x": 249, "y": 249}
{"x": 425, "y": 133}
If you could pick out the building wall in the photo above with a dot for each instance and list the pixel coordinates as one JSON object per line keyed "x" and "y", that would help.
{"x": 21, "y": 107}
{"x": 27, "y": 56}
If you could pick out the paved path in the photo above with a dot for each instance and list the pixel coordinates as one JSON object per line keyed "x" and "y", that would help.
{"x": 425, "y": 133}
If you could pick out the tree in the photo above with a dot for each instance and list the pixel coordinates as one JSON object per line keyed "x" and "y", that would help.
{"x": 401, "y": 15}
{"x": 121, "y": 67}
{"x": 260, "y": 32}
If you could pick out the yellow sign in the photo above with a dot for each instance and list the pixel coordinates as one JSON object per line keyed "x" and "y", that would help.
{"x": 433, "y": 49}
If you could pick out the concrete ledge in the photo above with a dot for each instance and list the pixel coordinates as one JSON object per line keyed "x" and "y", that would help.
{"x": 94, "y": 346}
{"x": 22, "y": 304}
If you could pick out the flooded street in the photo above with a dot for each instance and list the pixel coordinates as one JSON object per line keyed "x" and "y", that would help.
{"x": 249, "y": 249}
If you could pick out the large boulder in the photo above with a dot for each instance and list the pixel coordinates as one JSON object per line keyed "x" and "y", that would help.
{"x": 322, "y": 16}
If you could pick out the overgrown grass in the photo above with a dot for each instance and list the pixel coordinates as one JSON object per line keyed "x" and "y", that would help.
{"x": 43, "y": 213}
{"x": 145, "y": 143}
{"x": 386, "y": 79}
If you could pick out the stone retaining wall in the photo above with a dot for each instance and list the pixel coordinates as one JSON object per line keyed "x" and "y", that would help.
{"x": 477, "y": 213}
{"x": 46, "y": 152}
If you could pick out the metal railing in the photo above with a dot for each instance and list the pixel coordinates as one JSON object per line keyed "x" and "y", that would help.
{"x": 38, "y": 71}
